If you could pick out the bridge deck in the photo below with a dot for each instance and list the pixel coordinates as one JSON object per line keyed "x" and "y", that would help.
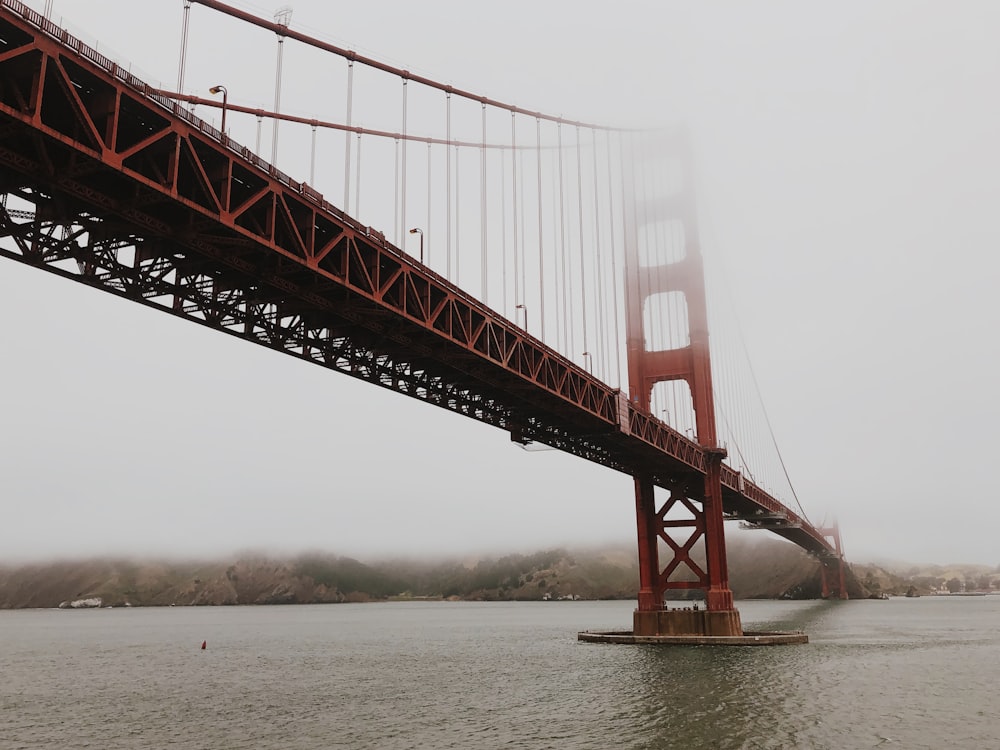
{"x": 168, "y": 212}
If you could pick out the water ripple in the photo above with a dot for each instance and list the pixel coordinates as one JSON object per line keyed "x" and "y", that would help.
{"x": 908, "y": 674}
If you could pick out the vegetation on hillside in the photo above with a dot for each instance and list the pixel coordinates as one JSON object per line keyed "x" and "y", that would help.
{"x": 758, "y": 568}
{"x": 921, "y": 580}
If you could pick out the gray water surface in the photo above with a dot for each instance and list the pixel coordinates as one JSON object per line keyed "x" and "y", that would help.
{"x": 903, "y": 673}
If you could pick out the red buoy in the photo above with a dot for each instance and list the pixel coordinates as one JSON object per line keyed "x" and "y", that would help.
{"x": 204, "y": 645}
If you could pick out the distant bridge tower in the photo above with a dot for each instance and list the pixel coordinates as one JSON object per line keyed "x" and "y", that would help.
{"x": 671, "y": 213}
{"x": 832, "y": 566}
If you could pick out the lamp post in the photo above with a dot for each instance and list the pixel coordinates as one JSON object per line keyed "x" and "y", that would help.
{"x": 225, "y": 99}
{"x": 590, "y": 362}
{"x": 522, "y": 307}
{"x": 418, "y": 230}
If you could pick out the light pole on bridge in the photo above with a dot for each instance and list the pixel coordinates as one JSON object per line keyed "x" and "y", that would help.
{"x": 522, "y": 307}
{"x": 225, "y": 100}
{"x": 418, "y": 230}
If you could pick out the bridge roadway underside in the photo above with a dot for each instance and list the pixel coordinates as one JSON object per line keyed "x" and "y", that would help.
{"x": 107, "y": 186}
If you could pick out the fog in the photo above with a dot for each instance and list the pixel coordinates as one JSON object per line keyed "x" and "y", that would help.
{"x": 848, "y": 166}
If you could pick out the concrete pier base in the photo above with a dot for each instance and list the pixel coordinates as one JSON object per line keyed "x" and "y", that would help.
{"x": 697, "y": 622}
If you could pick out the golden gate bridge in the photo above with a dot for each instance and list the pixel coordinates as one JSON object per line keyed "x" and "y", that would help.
{"x": 540, "y": 274}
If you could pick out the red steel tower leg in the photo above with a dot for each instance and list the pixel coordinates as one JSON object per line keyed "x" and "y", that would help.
{"x": 833, "y": 567}
{"x": 650, "y": 588}
{"x": 689, "y": 363}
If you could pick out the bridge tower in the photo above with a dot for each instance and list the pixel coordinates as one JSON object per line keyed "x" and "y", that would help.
{"x": 832, "y": 566}
{"x": 698, "y": 500}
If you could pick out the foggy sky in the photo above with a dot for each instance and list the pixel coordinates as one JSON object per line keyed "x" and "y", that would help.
{"x": 848, "y": 166}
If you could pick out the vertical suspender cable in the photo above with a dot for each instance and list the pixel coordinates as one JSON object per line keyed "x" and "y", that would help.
{"x": 681, "y": 312}
{"x": 277, "y": 101}
{"x": 427, "y": 229}
{"x": 736, "y": 409}
{"x": 541, "y": 256}
{"x": 747, "y": 425}
{"x": 357, "y": 187}
{"x": 680, "y": 303}
{"x": 668, "y": 322}
{"x": 598, "y": 276}
{"x": 720, "y": 375}
{"x": 730, "y": 399}
{"x": 513, "y": 162}
{"x": 733, "y": 406}
{"x": 347, "y": 137}
{"x": 447, "y": 150}
{"x": 482, "y": 212}
{"x": 649, "y": 323}
{"x": 503, "y": 229}
{"x": 566, "y": 273}
{"x": 556, "y": 272}
{"x": 754, "y": 436}
{"x": 458, "y": 217}
{"x": 522, "y": 211}
{"x": 636, "y": 274}
{"x": 583, "y": 270}
{"x": 182, "y": 63}
{"x": 402, "y": 209}
{"x": 653, "y": 225}
{"x": 614, "y": 264}
{"x": 653, "y": 232}
{"x": 667, "y": 309}
{"x": 646, "y": 281}
{"x": 395, "y": 194}
{"x": 312, "y": 158}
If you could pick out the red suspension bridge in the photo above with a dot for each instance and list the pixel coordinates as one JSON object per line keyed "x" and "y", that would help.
{"x": 553, "y": 288}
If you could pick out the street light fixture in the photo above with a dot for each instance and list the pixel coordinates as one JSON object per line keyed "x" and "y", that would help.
{"x": 225, "y": 99}
{"x": 590, "y": 362}
{"x": 418, "y": 230}
{"x": 522, "y": 307}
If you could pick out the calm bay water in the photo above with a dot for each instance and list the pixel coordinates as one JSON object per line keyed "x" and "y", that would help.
{"x": 906, "y": 673}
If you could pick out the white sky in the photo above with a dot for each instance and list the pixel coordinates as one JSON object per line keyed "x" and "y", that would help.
{"x": 850, "y": 167}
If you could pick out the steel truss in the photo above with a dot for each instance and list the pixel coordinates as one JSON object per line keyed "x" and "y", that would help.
{"x": 109, "y": 184}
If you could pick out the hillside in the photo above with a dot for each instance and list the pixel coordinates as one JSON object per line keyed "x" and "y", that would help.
{"x": 759, "y": 568}
{"x": 901, "y": 579}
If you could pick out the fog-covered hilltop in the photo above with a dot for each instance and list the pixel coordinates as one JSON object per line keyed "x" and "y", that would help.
{"x": 759, "y": 568}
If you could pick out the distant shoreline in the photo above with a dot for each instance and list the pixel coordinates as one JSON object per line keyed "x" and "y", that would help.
{"x": 758, "y": 569}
